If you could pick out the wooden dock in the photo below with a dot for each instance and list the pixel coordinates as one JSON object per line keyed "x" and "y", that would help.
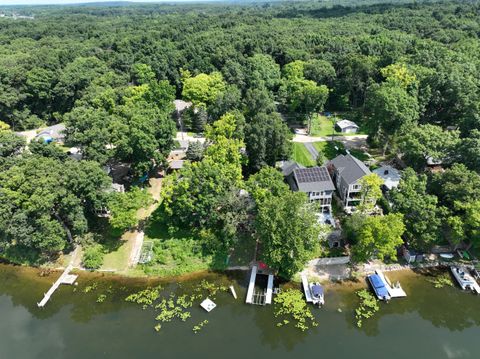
{"x": 395, "y": 291}
{"x": 251, "y": 286}
{"x": 306, "y": 289}
{"x": 65, "y": 278}
{"x": 268, "y": 299}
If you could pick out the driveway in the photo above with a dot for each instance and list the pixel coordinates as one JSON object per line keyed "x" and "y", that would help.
{"x": 356, "y": 141}
{"x": 311, "y": 148}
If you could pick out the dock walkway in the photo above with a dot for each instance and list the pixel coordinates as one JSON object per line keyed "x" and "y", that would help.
{"x": 251, "y": 285}
{"x": 65, "y": 278}
{"x": 395, "y": 291}
{"x": 269, "y": 294}
{"x": 306, "y": 289}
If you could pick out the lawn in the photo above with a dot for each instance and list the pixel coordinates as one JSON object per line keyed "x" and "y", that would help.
{"x": 322, "y": 126}
{"x": 176, "y": 251}
{"x": 301, "y": 155}
{"x": 329, "y": 150}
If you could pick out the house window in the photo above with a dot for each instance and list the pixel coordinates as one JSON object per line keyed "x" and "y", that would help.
{"x": 356, "y": 186}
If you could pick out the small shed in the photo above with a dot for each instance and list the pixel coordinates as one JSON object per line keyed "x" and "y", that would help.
{"x": 346, "y": 126}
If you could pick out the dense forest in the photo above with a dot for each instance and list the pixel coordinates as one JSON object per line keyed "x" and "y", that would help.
{"x": 407, "y": 73}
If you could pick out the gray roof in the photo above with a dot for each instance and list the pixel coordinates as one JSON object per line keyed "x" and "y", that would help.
{"x": 350, "y": 168}
{"x": 313, "y": 179}
{"x": 176, "y": 164}
{"x": 287, "y": 167}
{"x": 346, "y": 123}
{"x": 390, "y": 175}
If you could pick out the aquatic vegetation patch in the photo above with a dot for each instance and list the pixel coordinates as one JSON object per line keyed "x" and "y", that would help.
{"x": 145, "y": 297}
{"x": 199, "y": 327}
{"x": 90, "y": 287}
{"x": 290, "y": 303}
{"x": 101, "y": 298}
{"x": 211, "y": 288}
{"x": 170, "y": 306}
{"x": 367, "y": 308}
{"x": 442, "y": 281}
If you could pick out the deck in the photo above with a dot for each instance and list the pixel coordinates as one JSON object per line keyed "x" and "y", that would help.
{"x": 395, "y": 291}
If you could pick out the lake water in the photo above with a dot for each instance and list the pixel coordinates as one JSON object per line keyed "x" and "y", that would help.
{"x": 429, "y": 324}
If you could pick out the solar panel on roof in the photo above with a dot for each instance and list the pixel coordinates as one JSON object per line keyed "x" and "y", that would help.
{"x": 314, "y": 174}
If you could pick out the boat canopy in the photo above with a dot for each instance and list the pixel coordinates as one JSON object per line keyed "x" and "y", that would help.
{"x": 378, "y": 285}
{"x": 317, "y": 290}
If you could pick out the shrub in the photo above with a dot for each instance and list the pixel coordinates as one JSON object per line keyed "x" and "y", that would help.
{"x": 93, "y": 256}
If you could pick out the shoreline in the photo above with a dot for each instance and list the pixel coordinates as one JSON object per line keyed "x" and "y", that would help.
{"x": 351, "y": 282}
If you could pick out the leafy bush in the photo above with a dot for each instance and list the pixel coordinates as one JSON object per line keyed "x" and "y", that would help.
{"x": 93, "y": 256}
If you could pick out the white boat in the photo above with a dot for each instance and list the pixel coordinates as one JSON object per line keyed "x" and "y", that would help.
{"x": 464, "y": 279}
{"x": 316, "y": 290}
{"x": 446, "y": 255}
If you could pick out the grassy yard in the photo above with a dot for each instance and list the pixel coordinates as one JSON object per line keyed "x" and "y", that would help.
{"x": 322, "y": 126}
{"x": 301, "y": 155}
{"x": 328, "y": 148}
{"x": 176, "y": 251}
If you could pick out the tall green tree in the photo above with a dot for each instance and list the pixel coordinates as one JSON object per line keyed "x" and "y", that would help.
{"x": 288, "y": 231}
{"x": 392, "y": 109}
{"x": 421, "y": 212}
{"x": 370, "y": 192}
{"x": 203, "y": 89}
{"x": 379, "y": 236}
{"x": 44, "y": 202}
{"x": 267, "y": 139}
{"x": 419, "y": 143}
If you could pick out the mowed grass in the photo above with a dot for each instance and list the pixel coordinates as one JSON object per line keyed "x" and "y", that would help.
{"x": 322, "y": 126}
{"x": 176, "y": 251}
{"x": 301, "y": 155}
{"x": 332, "y": 149}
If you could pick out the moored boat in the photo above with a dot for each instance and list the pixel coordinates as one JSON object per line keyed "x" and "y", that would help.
{"x": 317, "y": 294}
{"x": 464, "y": 279}
{"x": 379, "y": 287}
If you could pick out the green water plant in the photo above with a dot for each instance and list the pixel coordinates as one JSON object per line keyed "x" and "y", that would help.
{"x": 145, "y": 297}
{"x": 199, "y": 327}
{"x": 101, "y": 298}
{"x": 367, "y": 308}
{"x": 442, "y": 281}
{"x": 90, "y": 287}
{"x": 290, "y": 303}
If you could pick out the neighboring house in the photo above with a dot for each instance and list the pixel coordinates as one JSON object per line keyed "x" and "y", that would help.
{"x": 346, "y": 171}
{"x": 346, "y": 126}
{"x": 52, "y": 133}
{"x": 391, "y": 177}
{"x": 316, "y": 183}
{"x": 175, "y": 165}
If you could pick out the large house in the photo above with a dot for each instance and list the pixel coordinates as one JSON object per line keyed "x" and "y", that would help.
{"x": 315, "y": 182}
{"x": 346, "y": 171}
